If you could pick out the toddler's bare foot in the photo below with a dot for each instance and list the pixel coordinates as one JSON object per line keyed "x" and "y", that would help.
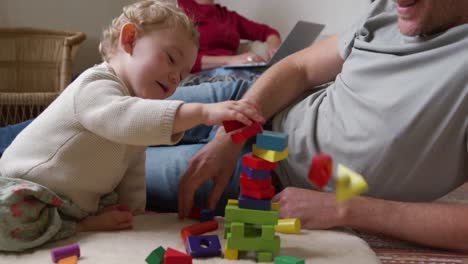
{"x": 112, "y": 218}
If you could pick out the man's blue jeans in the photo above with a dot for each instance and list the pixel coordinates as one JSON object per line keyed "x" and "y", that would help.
{"x": 8, "y": 133}
{"x": 165, "y": 165}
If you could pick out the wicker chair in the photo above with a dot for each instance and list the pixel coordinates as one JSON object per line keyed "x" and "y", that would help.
{"x": 35, "y": 66}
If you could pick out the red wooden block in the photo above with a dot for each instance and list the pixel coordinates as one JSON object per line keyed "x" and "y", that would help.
{"x": 195, "y": 213}
{"x": 173, "y": 256}
{"x": 258, "y": 194}
{"x": 246, "y": 133}
{"x": 198, "y": 229}
{"x": 320, "y": 170}
{"x": 249, "y": 183}
{"x": 250, "y": 161}
{"x": 232, "y": 125}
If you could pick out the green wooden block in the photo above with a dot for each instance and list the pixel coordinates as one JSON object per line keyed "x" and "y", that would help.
{"x": 250, "y": 230}
{"x": 156, "y": 256}
{"x": 259, "y": 217}
{"x": 264, "y": 257}
{"x": 253, "y": 244}
{"x": 288, "y": 260}
{"x": 268, "y": 232}
{"x": 237, "y": 230}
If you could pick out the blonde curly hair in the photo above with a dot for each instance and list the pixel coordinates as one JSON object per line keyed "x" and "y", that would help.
{"x": 146, "y": 15}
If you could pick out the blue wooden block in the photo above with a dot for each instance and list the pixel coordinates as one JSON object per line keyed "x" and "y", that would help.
{"x": 256, "y": 174}
{"x": 203, "y": 246}
{"x": 206, "y": 215}
{"x": 272, "y": 140}
{"x": 249, "y": 203}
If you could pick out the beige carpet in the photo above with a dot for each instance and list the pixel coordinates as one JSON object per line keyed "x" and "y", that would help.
{"x": 153, "y": 230}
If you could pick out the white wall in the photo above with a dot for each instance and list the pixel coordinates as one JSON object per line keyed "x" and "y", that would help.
{"x": 283, "y": 14}
{"x": 91, "y": 16}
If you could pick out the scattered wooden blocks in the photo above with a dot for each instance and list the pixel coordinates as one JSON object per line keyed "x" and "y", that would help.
{"x": 288, "y": 226}
{"x": 288, "y": 260}
{"x": 156, "y": 256}
{"x": 206, "y": 215}
{"x": 173, "y": 256}
{"x": 198, "y": 229}
{"x": 246, "y": 133}
{"x": 68, "y": 260}
{"x": 64, "y": 252}
{"x": 232, "y": 125}
{"x": 348, "y": 184}
{"x": 231, "y": 254}
{"x": 320, "y": 170}
{"x": 203, "y": 246}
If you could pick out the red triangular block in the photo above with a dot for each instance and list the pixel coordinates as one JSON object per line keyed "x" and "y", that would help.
{"x": 173, "y": 256}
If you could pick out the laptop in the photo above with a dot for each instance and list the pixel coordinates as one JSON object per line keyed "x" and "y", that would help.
{"x": 300, "y": 37}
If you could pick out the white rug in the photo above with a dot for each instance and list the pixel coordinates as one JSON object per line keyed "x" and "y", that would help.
{"x": 153, "y": 230}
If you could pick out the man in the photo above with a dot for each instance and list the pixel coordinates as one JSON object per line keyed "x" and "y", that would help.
{"x": 396, "y": 113}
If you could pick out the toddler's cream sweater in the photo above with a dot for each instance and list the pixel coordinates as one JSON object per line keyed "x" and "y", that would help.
{"x": 91, "y": 141}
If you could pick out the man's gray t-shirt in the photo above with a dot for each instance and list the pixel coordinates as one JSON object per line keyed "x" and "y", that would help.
{"x": 397, "y": 113}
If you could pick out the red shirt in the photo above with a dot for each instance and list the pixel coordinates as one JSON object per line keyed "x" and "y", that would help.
{"x": 221, "y": 29}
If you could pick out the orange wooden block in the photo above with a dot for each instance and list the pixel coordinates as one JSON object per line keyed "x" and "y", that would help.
{"x": 68, "y": 260}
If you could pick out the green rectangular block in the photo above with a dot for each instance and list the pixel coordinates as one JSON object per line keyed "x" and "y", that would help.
{"x": 268, "y": 232}
{"x": 237, "y": 230}
{"x": 253, "y": 244}
{"x": 264, "y": 257}
{"x": 156, "y": 256}
{"x": 236, "y": 214}
{"x": 250, "y": 230}
{"x": 288, "y": 260}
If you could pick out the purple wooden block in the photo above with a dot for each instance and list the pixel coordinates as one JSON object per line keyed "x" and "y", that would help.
{"x": 65, "y": 252}
{"x": 249, "y": 203}
{"x": 203, "y": 246}
{"x": 256, "y": 174}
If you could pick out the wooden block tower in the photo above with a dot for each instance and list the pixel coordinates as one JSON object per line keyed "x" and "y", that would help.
{"x": 251, "y": 220}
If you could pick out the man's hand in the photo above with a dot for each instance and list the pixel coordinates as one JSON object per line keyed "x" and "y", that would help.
{"x": 316, "y": 210}
{"x": 215, "y": 161}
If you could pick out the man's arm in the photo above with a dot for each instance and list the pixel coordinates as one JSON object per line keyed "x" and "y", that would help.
{"x": 290, "y": 78}
{"x": 438, "y": 225}
{"x": 276, "y": 88}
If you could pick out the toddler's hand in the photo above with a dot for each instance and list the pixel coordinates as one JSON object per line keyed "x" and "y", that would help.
{"x": 112, "y": 218}
{"x": 242, "y": 111}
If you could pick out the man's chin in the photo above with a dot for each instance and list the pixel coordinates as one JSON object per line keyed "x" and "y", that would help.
{"x": 408, "y": 28}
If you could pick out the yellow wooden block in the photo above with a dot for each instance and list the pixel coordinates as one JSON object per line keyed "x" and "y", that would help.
{"x": 274, "y": 206}
{"x": 68, "y": 260}
{"x": 269, "y": 155}
{"x": 348, "y": 184}
{"x": 288, "y": 226}
{"x": 231, "y": 254}
{"x": 232, "y": 202}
